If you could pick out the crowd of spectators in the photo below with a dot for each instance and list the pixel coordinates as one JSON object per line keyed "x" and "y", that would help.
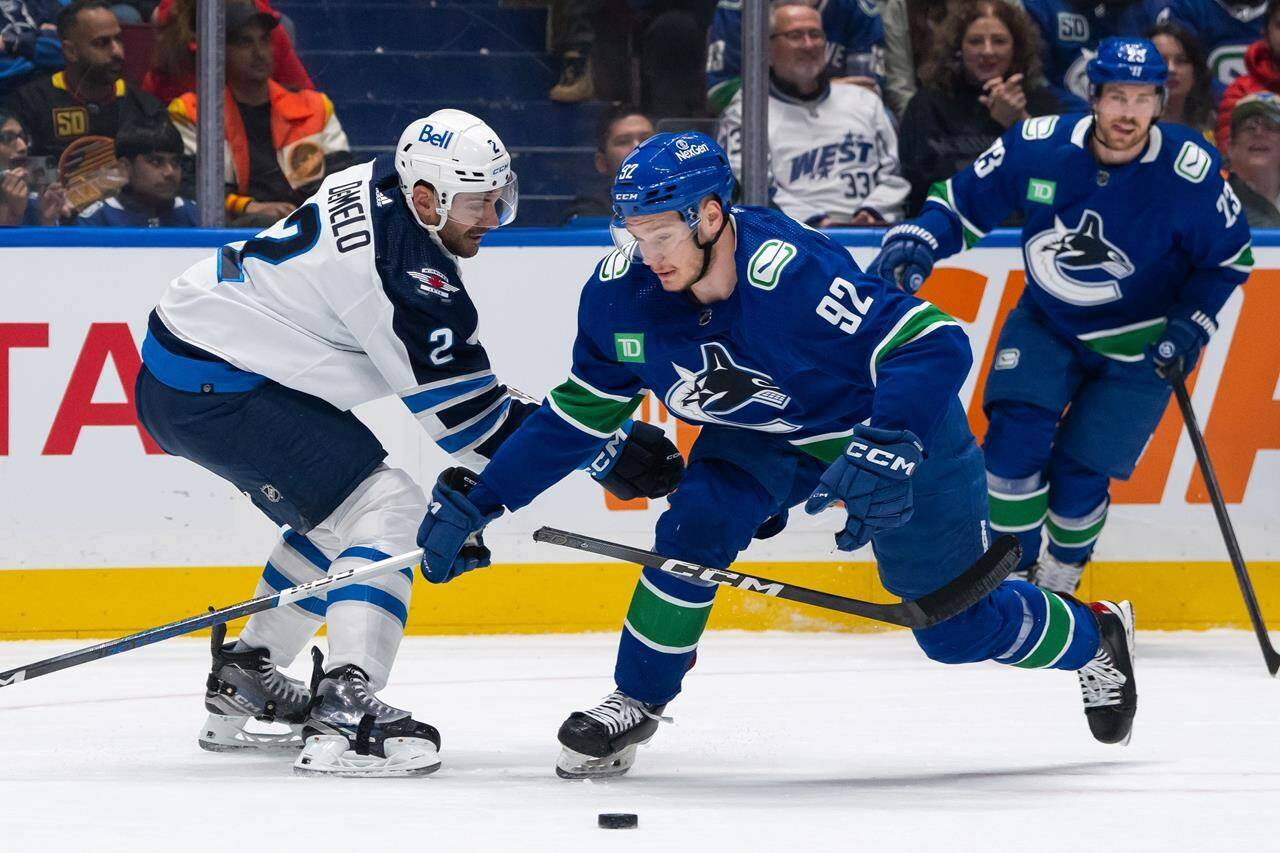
{"x": 82, "y": 145}
{"x": 871, "y": 101}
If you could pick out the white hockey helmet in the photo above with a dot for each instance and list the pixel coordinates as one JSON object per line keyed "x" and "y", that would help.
{"x": 466, "y": 163}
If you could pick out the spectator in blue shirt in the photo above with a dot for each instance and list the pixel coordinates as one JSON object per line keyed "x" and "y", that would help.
{"x": 150, "y": 153}
{"x": 29, "y": 43}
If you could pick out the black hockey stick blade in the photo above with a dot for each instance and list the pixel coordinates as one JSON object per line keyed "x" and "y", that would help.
{"x": 1178, "y": 381}
{"x": 963, "y": 592}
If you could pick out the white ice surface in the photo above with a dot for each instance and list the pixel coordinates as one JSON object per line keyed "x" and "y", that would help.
{"x": 782, "y": 742}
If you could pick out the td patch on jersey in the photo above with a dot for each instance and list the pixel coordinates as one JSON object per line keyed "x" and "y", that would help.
{"x": 1078, "y": 265}
{"x": 722, "y": 387}
{"x": 432, "y": 282}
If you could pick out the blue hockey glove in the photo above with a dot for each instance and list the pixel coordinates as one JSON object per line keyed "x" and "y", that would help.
{"x": 906, "y": 257}
{"x": 450, "y": 533}
{"x": 873, "y": 478}
{"x": 639, "y": 461}
{"x": 1179, "y": 344}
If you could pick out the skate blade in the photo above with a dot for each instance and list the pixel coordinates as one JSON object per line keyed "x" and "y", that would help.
{"x": 575, "y": 765}
{"x": 229, "y": 734}
{"x": 330, "y": 755}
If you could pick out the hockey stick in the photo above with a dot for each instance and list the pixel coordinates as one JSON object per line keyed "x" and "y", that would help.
{"x": 1174, "y": 374}
{"x": 963, "y": 592}
{"x": 214, "y": 617}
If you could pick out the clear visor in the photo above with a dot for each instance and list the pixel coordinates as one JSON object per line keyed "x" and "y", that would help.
{"x": 646, "y": 241}
{"x": 490, "y": 209}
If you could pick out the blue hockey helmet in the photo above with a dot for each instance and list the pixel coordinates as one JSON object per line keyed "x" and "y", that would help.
{"x": 669, "y": 171}
{"x": 1127, "y": 60}
{"x": 672, "y": 171}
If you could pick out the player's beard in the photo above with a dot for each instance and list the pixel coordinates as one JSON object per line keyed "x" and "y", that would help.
{"x": 465, "y": 244}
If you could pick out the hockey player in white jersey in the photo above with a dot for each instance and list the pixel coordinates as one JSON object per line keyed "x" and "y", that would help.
{"x": 254, "y": 358}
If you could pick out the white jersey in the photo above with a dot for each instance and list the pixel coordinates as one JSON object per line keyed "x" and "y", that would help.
{"x": 831, "y": 156}
{"x": 348, "y": 299}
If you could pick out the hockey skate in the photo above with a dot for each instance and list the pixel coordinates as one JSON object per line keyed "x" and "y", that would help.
{"x": 245, "y": 686}
{"x": 1056, "y": 576}
{"x": 601, "y": 743}
{"x": 1106, "y": 683}
{"x": 350, "y": 732}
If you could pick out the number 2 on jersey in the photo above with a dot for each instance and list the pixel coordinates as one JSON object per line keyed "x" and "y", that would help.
{"x": 304, "y": 225}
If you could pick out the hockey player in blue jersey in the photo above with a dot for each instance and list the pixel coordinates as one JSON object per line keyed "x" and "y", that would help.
{"x": 1072, "y": 31}
{"x": 253, "y": 360}
{"x": 813, "y": 383}
{"x": 1132, "y": 244}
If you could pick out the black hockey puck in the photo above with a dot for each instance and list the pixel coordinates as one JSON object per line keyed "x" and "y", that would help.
{"x": 618, "y": 821}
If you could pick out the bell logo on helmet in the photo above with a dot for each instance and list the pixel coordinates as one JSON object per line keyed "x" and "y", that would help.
{"x": 684, "y": 150}
{"x": 443, "y": 139}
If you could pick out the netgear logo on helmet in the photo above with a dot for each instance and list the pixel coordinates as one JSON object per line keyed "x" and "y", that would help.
{"x": 684, "y": 153}
{"x": 439, "y": 140}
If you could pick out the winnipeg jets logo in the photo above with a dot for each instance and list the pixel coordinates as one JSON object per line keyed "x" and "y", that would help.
{"x": 1078, "y": 265}
{"x": 722, "y": 388}
{"x": 433, "y": 282}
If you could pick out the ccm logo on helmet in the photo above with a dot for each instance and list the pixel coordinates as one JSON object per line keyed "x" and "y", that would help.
{"x": 439, "y": 140}
{"x": 878, "y": 456}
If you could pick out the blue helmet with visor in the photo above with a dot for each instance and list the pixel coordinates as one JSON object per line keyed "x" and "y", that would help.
{"x": 669, "y": 172}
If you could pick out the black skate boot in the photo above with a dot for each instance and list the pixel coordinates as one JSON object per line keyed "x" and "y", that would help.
{"x": 350, "y": 732}
{"x": 245, "y": 686}
{"x": 1106, "y": 683}
{"x": 601, "y": 743}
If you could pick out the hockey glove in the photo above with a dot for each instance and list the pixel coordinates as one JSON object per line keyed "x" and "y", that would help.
{"x": 906, "y": 257}
{"x": 1179, "y": 344}
{"x": 450, "y": 534}
{"x": 639, "y": 462}
{"x": 873, "y": 478}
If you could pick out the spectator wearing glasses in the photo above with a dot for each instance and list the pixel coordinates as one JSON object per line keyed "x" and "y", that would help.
{"x": 855, "y": 48}
{"x": 151, "y": 156}
{"x": 832, "y": 148}
{"x": 20, "y": 203}
{"x": 1254, "y": 154}
{"x": 975, "y": 86}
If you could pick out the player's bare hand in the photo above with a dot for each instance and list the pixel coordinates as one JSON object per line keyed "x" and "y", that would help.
{"x": 865, "y": 218}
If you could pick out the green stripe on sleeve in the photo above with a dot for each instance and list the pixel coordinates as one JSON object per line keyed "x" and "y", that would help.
{"x": 916, "y": 323}
{"x": 590, "y": 410}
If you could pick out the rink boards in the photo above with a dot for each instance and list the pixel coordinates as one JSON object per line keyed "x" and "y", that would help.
{"x": 100, "y": 533}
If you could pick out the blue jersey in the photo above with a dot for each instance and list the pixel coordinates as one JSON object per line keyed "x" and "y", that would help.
{"x": 1071, "y": 32}
{"x": 119, "y": 212}
{"x": 806, "y": 347}
{"x": 1110, "y": 251}
{"x": 853, "y": 29}
{"x": 1223, "y": 30}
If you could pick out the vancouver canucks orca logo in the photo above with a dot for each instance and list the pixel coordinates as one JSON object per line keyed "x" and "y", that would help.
{"x": 1078, "y": 265}
{"x": 723, "y": 388}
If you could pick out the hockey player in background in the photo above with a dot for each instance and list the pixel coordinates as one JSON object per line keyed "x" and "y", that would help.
{"x": 813, "y": 383}
{"x": 1132, "y": 244}
{"x": 252, "y": 362}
